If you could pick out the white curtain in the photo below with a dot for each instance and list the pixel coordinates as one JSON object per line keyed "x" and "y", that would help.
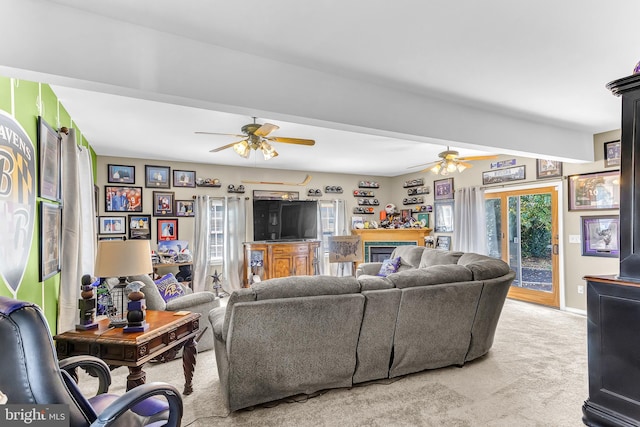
{"x": 78, "y": 249}
{"x": 469, "y": 223}
{"x": 201, "y": 248}
{"x": 235, "y": 216}
{"x": 319, "y": 266}
{"x": 342, "y": 228}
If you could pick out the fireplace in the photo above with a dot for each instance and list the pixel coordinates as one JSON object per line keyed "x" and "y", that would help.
{"x": 380, "y": 253}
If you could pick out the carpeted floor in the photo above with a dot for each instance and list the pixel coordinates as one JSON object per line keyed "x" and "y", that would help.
{"x": 535, "y": 375}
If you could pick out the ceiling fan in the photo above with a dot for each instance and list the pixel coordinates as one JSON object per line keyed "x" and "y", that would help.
{"x": 256, "y": 138}
{"x": 450, "y": 161}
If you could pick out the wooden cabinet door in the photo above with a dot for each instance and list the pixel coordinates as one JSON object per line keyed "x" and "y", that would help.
{"x": 282, "y": 266}
{"x": 301, "y": 264}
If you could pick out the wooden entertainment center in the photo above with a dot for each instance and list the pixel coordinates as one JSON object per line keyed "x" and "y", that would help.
{"x": 279, "y": 259}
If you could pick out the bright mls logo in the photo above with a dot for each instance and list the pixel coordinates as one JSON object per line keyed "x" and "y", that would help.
{"x": 34, "y": 415}
{"x": 17, "y": 200}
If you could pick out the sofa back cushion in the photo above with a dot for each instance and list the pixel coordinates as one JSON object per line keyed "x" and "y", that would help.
{"x": 374, "y": 283}
{"x": 305, "y": 286}
{"x": 290, "y": 287}
{"x": 438, "y": 274}
{"x": 484, "y": 267}
{"x": 431, "y": 257}
{"x": 409, "y": 256}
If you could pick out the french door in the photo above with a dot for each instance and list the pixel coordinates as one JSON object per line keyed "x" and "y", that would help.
{"x": 522, "y": 228}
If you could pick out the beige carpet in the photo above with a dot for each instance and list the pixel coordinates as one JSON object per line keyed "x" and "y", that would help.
{"x": 535, "y": 375}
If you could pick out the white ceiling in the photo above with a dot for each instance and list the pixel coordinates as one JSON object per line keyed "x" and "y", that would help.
{"x": 543, "y": 64}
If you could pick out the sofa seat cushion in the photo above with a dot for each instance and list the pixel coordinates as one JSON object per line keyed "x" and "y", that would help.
{"x": 484, "y": 267}
{"x": 438, "y": 274}
{"x": 431, "y": 257}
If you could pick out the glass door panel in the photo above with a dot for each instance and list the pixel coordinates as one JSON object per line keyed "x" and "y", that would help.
{"x": 530, "y": 247}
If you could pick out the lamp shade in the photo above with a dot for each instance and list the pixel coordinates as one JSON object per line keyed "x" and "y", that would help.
{"x": 121, "y": 258}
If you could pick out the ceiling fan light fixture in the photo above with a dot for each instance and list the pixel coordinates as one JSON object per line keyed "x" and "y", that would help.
{"x": 451, "y": 166}
{"x": 461, "y": 167}
{"x": 267, "y": 150}
{"x": 242, "y": 148}
{"x": 436, "y": 168}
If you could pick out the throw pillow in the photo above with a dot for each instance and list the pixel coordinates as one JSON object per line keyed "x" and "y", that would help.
{"x": 389, "y": 266}
{"x": 169, "y": 287}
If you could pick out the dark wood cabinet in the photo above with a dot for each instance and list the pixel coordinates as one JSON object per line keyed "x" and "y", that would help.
{"x": 280, "y": 259}
{"x": 613, "y": 310}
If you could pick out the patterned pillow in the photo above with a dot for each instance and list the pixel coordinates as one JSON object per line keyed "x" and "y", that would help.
{"x": 389, "y": 266}
{"x": 169, "y": 287}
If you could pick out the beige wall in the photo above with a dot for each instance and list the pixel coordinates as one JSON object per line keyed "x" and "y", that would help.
{"x": 391, "y": 190}
{"x": 575, "y": 266}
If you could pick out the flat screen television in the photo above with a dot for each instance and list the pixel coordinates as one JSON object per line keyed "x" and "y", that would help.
{"x": 285, "y": 219}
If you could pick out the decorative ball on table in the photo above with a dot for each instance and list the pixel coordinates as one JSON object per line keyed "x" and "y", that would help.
{"x": 636, "y": 69}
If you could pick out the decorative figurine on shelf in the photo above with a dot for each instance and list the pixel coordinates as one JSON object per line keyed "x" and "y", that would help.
{"x": 87, "y": 305}
{"x": 217, "y": 284}
{"x": 135, "y": 308}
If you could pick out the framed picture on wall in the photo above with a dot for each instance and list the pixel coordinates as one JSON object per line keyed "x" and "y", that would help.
{"x": 122, "y": 199}
{"x": 156, "y": 176}
{"x": 443, "y": 189}
{"x": 167, "y": 229}
{"x": 601, "y": 236}
{"x": 121, "y": 174}
{"x": 184, "y": 178}
{"x": 49, "y": 156}
{"x": 163, "y": 203}
{"x": 185, "y": 208}
{"x": 112, "y": 225}
{"x": 140, "y": 227}
{"x": 548, "y": 168}
{"x": 612, "y": 154}
{"x": 443, "y": 242}
{"x": 444, "y": 216}
{"x": 592, "y": 191}
{"x": 50, "y": 237}
{"x": 500, "y": 176}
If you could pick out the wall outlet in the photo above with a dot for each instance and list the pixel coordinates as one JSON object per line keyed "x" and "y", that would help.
{"x": 581, "y": 289}
{"x": 574, "y": 238}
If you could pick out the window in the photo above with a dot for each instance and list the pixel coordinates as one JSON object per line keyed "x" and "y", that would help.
{"x": 216, "y": 231}
{"x": 328, "y": 218}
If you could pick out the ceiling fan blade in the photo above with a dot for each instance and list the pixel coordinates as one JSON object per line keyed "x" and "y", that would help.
{"x": 471, "y": 158}
{"x": 266, "y": 129}
{"x": 465, "y": 164}
{"x": 298, "y": 141}
{"x": 224, "y": 147}
{"x": 223, "y": 134}
{"x": 430, "y": 164}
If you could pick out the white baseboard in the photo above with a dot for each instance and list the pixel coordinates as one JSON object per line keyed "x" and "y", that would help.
{"x": 575, "y": 311}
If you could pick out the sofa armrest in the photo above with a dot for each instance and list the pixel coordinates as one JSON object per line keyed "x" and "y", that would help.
{"x": 186, "y": 302}
{"x": 216, "y": 317}
{"x": 369, "y": 268}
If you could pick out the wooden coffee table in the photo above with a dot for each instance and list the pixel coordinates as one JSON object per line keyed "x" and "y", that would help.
{"x": 167, "y": 331}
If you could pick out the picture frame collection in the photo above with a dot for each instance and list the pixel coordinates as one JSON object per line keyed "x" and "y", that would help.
{"x": 123, "y": 203}
{"x": 50, "y": 208}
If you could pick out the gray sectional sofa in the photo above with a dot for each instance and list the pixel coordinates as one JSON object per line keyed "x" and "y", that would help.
{"x": 302, "y": 334}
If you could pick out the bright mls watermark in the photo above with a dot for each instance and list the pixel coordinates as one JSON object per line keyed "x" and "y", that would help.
{"x": 34, "y": 415}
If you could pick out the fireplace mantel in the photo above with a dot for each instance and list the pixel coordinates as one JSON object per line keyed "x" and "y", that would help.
{"x": 390, "y": 237}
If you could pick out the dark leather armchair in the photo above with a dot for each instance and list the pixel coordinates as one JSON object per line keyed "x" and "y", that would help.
{"x": 31, "y": 374}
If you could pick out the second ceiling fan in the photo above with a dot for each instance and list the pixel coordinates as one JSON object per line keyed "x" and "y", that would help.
{"x": 450, "y": 161}
{"x": 256, "y": 137}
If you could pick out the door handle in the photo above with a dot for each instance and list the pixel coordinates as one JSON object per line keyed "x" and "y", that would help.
{"x": 555, "y": 249}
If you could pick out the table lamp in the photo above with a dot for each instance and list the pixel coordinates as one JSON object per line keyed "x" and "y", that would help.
{"x": 122, "y": 258}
